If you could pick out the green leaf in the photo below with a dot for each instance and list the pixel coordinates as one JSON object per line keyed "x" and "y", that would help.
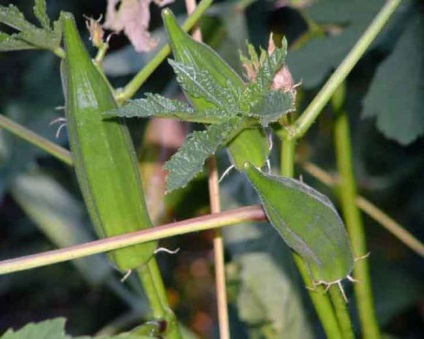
{"x": 266, "y": 65}
{"x": 40, "y": 38}
{"x": 188, "y": 161}
{"x": 12, "y": 17}
{"x": 395, "y": 97}
{"x": 200, "y": 83}
{"x": 161, "y": 107}
{"x": 274, "y": 105}
{"x": 11, "y": 43}
{"x": 308, "y": 223}
{"x": 40, "y": 12}
{"x": 55, "y": 328}
{"x": 44, "y": 38}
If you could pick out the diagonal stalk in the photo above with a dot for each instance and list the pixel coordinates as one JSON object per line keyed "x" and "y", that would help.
{"x": 35, "y": 139}
{"x": 304, "y": 122}
{"x": 227, "y": 218}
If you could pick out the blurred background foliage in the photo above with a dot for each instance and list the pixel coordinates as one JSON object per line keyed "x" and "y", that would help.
{"x": 41, "y": 206}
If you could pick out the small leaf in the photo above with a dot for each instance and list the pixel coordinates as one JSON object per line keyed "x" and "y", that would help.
{"x": 189, "y": 160}
{"x": 52, "y": 328}
{"x": 12, "y": 17}
{"x": 201, "y": 84}
{"x": 55, "y": 328}
{"x": 161, "y": 107}
{"x": 44, "y": 38}
{"x": 41, "y": 13}
{"x": 10, "y": 43}
{"x": 308, "y": 223}
{"x": 262, "y": 69}
{"x": 274, "y": 105}
{"x": 40, "y": 38}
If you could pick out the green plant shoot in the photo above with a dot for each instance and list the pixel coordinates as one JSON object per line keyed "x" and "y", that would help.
{"x": 234, "y": 111}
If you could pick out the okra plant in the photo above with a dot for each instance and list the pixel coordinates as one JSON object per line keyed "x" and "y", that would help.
{"x": 238, "y": 113}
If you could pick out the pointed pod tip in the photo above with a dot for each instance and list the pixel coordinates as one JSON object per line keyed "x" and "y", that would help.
{"x": 247, "y": 165}
{"x": 166, "y": 13}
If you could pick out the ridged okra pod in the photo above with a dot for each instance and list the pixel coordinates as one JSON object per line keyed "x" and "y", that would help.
{"x": 104, "y": 157}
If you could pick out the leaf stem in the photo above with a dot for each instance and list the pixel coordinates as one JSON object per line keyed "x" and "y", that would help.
{"x": 22, "y": 132}
{"x": 304, "y": 122}
{"x": 155, "y": 290}
{"x": 133, "y": 86}
{"x": 319, "y": 299}
{"x": 235, "y": 216}
{"x": 354, "y": 226}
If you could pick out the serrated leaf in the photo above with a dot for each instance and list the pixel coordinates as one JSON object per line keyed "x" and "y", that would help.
{"x": 201, "y": 84}
{"x": 52, "y": 328}
{"x": 55, "y": 328}
{"x": 308, "y": 223}
{"x": 274, "y": 105}
{"x": 40, "y": 12}
{"x": 10, "y": 43}
{"x": 11, "y": 16}
{"x": 40, "y": 38}
{"x": 155, "y": 105}
{"x": 395, "y": 97}
{"x": 264, "y": 67}
{"x": 44, "y": 38}
{"x": 270, "y": 65}
{"x": 188, "y": 161}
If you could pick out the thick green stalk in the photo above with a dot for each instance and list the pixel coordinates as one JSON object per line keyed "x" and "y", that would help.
{"x": 320, "y": 300}
{"x": 355, "y": 227}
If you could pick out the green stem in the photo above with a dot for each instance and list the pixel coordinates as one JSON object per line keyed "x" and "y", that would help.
{"x": 319, "y": 299}
{"x": 134, "y": 85}
{"x": 227, "y": 218}
{"x": 35, "y": 139}
{"x": 342, "y": 314}
{"x": 155, "y": 290}
{"x": 355, "y": 227}
{"x": 299, "y": 128}
{"x": 59, "y": 52}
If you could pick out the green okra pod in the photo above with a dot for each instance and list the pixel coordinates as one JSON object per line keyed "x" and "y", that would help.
{"x": 308, "y": 223}
{"x": 104, "y": 157}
